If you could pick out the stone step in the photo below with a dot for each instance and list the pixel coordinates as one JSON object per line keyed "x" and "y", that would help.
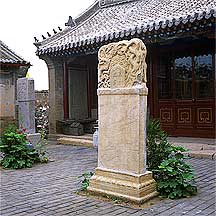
{"x": 77, "y": 141}
{"x": 84, "y": 137}
{"x": 209, "y": 154}
{"x": 57, "y": 136}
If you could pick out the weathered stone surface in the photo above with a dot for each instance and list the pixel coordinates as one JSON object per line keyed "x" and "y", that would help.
{"x": 122, "y": 104}
{"x": 137, "y": 188}
{"x": 122, "y": 117}
{"x": 25, "y": 89}
{"x": 27, "y": 116}
{"x": 26, "y": 102}
{"x": 122, "y": 64}
{"x": 75, "y": 141}
{"x": 210, "y": 154}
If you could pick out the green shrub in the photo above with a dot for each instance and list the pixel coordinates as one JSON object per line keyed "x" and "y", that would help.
{"x": 10, "y": 128}
{"x": 173, "y": 175}
{"x": 17, "y": 152}
{"x": 158, "y": 148}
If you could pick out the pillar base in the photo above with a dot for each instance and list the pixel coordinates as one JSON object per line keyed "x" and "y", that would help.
{"x": 34, "y": 138}
{"x": 132, "y": 187}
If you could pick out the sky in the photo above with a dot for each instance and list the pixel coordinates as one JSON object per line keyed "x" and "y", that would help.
{"x": 22, "y": 20}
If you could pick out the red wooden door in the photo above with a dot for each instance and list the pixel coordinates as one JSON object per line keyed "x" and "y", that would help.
{"x": 186, "y": 83}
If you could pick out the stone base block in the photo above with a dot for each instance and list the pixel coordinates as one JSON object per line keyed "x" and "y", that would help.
{"x": 34, "y": 139}
{"x": 75, "y": 141}
{"x": 135, "y": 188}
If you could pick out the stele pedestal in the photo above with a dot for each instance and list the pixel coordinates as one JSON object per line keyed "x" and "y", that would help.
{"x": 122, "y": 103}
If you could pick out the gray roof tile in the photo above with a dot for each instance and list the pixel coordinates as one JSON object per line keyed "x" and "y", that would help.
{"x": 7, "y": 56}
{"x": 106, "y": 22}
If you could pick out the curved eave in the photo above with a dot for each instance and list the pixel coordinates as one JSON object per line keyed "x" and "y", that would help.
{"x": 144, "y": 29}
{"x": 17, "y": 63}
{"x": 91, "y": 10}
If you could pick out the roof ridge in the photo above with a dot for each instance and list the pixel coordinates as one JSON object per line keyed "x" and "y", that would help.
{"x": 87, "y": 12}
{"x": 108, "y": 3}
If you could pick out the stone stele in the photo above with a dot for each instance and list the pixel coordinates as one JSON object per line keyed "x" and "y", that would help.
{"x": 26, "y": 103}
{"x": 122, "y": 98}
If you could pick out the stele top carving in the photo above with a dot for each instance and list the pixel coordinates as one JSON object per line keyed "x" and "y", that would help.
{"x": 122, "y": 64}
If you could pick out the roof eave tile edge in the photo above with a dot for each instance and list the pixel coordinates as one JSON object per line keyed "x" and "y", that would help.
{"x": 26, "y": 64}
{"x": 92, "y": 9}
{"x": 53, "y": 37}
{"x": 161, "y": 25}
{"x": 4, "y": 46}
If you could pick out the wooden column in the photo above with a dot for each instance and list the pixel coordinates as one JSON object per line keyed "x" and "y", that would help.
{"x": 150, "y": 81}
{"x": 89, "y": 89}
{"x": 66, "y": 104}
{"x": 155, "y": 108}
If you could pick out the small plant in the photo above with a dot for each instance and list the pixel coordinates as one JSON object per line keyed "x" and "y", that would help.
{"x": 173, "y": 175}
{"x": 85, "y": 177}
{"x": 17, "y": 152}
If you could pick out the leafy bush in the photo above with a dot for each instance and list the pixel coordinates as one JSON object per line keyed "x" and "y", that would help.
{"x": 10, "y": 128}
{"x": 173, "y": 176}
{"x": 17, "y": 152}
{"x": 85, "y": 177}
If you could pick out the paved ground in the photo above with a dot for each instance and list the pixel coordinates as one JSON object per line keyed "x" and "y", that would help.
{"x": 48, "y": 189}
{"x": 197, "y": 147}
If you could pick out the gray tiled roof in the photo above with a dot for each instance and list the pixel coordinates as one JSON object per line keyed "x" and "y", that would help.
{"x": 103, "y": 22}
{"x": 7, "y": 56}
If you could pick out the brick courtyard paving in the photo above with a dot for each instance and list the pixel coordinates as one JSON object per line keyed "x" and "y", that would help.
{"x": 48, "y": 189}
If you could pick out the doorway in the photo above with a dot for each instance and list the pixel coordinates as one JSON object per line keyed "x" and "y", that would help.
{"x": 186, "y": 96}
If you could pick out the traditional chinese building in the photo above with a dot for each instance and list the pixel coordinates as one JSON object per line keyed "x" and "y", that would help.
{"x": 180, "y": 40}
{"x": 12, "y": 67}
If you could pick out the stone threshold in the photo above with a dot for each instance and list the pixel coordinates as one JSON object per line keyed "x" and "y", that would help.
{"x": 85, "y": 140}
{"x": 204, "y": 148}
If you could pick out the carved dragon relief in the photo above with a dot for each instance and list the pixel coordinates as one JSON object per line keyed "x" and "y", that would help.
{"x": 122, "y": 64}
